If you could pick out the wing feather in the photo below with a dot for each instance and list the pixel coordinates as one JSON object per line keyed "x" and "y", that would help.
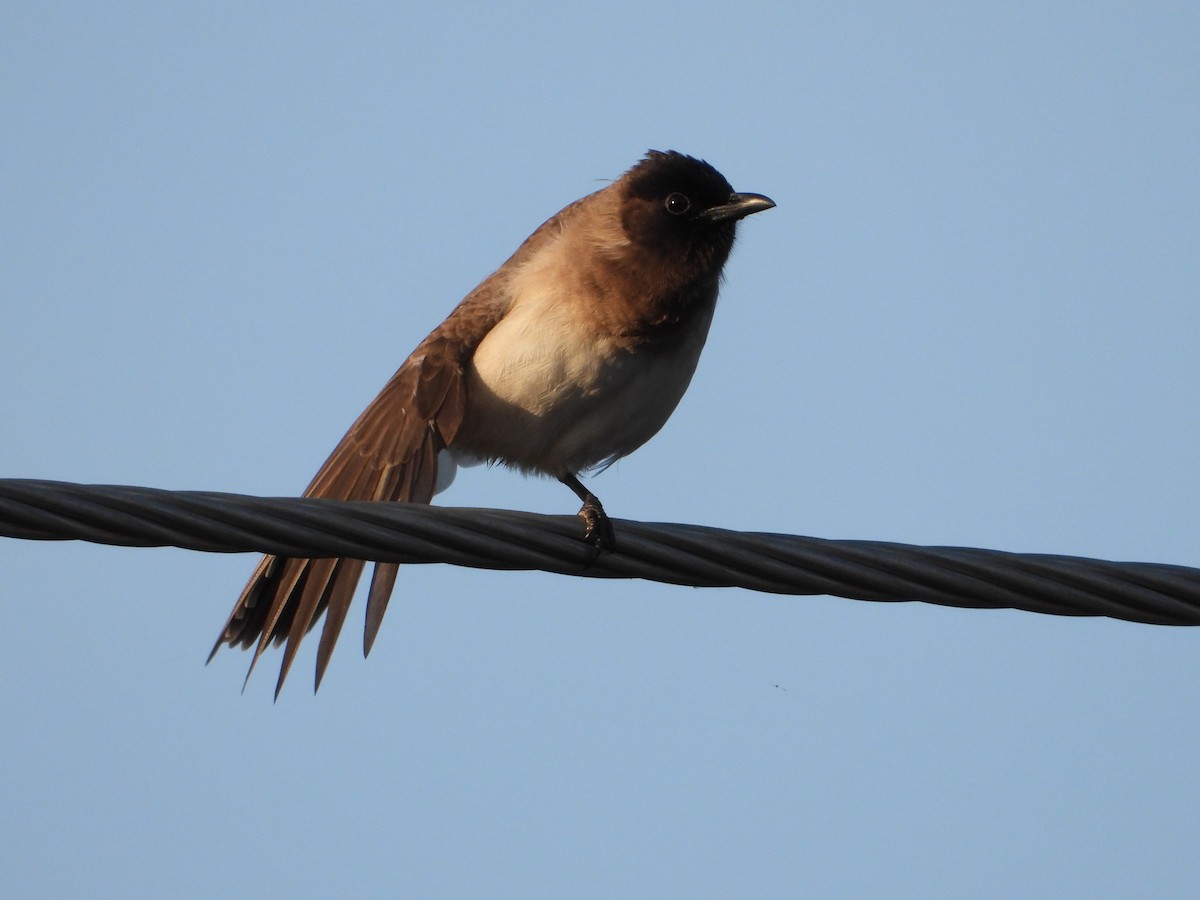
{"x": 389, "y": 454}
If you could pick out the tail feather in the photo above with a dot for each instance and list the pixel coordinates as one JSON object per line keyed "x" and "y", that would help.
{"x": 335, "y": 616}
{"x": 382, "y": 581}
{"x": 318, "y": 575}
{"x": 388, "y": 455}
{"x": 291, "y": 578}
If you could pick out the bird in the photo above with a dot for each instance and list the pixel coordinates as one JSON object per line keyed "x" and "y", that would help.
{"x": 568, "y": 357}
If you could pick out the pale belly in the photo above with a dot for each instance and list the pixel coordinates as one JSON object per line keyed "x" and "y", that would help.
{"x": 545, "y": 394}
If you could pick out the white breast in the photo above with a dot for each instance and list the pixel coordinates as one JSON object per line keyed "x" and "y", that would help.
{"x": 550, "y": 391}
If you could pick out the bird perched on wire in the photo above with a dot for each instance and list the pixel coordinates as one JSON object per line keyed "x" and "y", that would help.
{"x": 569, "y": 356}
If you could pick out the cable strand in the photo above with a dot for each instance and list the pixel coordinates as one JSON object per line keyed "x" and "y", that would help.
{"x": 691, "y": 555}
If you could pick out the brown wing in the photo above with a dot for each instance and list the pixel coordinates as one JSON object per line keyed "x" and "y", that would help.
{"x": 390, "y": 453}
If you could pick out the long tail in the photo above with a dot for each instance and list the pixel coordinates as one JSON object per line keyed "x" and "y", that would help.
{"x": 390, "y": 453}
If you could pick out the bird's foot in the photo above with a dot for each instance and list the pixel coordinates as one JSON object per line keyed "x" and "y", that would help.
{"x": 597, "y": 529}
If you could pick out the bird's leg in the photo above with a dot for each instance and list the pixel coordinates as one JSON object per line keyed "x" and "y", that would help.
{"x": 597, "y": 529}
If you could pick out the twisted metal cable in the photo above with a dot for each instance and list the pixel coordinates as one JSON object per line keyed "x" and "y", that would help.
{"x": 675, "y": 554}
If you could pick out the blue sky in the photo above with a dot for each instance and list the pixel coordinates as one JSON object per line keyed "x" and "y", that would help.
{"x": 971, "y": 320}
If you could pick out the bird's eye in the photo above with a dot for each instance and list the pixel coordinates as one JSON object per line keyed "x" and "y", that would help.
{"x": 677, "y": 204}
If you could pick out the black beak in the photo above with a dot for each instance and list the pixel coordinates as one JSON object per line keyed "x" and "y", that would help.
{"x": 738, "y": 207}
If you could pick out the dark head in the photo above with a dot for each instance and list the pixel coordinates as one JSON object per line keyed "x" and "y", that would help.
{"x": 682, "y": 206}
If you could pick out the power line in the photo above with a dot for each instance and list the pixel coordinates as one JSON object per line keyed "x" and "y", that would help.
{"x": 675, "y": 554}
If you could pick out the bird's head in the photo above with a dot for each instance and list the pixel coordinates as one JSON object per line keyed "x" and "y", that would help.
{"x": 681, "y": 206}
